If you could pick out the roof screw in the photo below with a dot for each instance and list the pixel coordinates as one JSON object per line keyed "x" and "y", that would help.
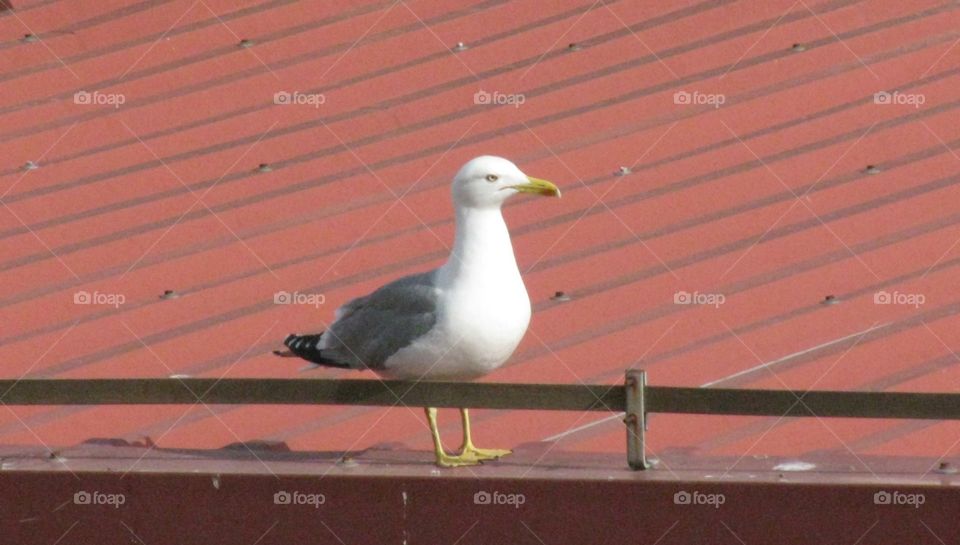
{"x": 246, "y": 43}
{"x": 830, "y": 300}
{"x": 30, "y": 38}
{"x": 574, "y": 47}
{"x": 460, "y": 46}
{"x": 264, "y": 167}
{"x": 872, "y": 169}
{"x": 347, "y": 461}
{"x": 798, "y": 48}
{"x": 560, "y": 296}
{"x": 30, "y": 165}
{"x": 169, "y": 294}
{"x": 624, "y": 171}
{"x": 946, "y": 468}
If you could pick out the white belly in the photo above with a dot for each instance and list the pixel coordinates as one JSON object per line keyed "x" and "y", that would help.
{"x": 477, "y": 330}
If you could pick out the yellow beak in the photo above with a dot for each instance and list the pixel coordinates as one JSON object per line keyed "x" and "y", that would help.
{"x": 538, "y": 187}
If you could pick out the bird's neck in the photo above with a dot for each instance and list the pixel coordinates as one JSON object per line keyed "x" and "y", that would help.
{"x": 482, "y": 243}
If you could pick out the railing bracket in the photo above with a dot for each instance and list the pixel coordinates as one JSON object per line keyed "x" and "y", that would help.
{"x": 636, "y": 418}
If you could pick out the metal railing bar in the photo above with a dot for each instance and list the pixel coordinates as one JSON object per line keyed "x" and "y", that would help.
{"x": 634, "y": 398}
{"x": 935, "y": 406}
{"x": 561, "y": 397}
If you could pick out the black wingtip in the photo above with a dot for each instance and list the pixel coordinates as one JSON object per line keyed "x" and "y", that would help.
{"x": 306, "y": 347}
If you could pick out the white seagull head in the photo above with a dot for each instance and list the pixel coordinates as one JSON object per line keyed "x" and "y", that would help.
{"x": 488, "y": 181}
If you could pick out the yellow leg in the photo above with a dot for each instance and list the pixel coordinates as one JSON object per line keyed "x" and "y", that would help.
{"x": 444, "y": 459}
{"x": 470, "y": 452}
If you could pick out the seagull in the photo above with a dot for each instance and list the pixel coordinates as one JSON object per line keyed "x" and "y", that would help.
{"x": 455, "y": 323}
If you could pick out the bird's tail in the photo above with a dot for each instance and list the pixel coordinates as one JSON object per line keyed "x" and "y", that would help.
{"x": 306, "y": 347}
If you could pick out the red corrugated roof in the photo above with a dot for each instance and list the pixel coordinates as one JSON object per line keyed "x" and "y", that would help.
{"x": 765, "y": 199}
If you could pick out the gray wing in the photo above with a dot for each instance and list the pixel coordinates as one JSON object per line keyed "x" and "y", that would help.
{"x": 370, "y": 329}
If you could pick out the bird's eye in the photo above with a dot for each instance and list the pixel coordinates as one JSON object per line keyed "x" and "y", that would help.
{"x": 492, "y": 177}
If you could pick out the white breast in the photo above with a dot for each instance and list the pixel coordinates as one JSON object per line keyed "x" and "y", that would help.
{"x": 476, "y": 332}
{"x": 483, "y": 309}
